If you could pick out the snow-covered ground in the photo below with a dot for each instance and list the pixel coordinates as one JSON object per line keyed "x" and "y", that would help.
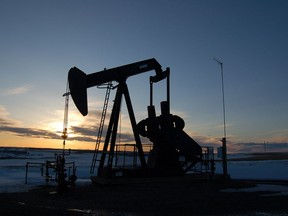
{"x": 13, "y": 168}
{"x": 265, "y": 169}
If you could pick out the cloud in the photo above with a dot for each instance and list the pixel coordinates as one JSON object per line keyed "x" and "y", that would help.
{"x": 126, "y": 138}
{"x": 84, "y": 131}
{"x": 89, "y": 134}
{"x": 205, "y": 140}
{"x": 5, "y": 119}
{"x": 3, "y": 111}
{"x": 88, "y": 130}
{"x": 82, "y": 139}
{"x": 40, "y": 133}
{"x": 29, "y": 132}
{"x": 259, "y": 147}
{"x": 18, "y": 90}
{"x": 9, "y": 125}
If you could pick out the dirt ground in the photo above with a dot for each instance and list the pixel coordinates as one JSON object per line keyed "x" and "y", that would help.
{"x": 172, "y": 197}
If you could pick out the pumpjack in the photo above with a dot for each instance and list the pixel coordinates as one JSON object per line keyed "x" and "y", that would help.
{"x": 169, "y": 141}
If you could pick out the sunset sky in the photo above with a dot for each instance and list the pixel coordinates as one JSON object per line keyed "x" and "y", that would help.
{"x": 41, "y": 40}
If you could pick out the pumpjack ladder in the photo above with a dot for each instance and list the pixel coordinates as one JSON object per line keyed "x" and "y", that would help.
{"x": 101, "y": 126}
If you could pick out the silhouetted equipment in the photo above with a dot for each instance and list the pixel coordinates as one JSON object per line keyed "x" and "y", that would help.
{"x": 101, "y": 126}
{"x": 170, "y": 142}
{"x": 224, "y": 146}
{"x": 79, "y": 81}
{"x": 55, "y": 170}
{"x": 64, "y": 173}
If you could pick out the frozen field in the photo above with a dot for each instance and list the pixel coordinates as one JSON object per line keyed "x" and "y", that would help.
{"x": 13, "y": 167}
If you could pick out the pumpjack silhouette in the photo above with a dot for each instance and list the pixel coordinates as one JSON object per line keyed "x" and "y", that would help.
{"x": 169, "y": 141}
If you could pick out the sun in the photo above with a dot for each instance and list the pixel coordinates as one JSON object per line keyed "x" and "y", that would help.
{"x": 56, "y": 126}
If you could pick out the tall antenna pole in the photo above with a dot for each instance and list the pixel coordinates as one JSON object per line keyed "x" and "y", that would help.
{"x": 224, "y": 147}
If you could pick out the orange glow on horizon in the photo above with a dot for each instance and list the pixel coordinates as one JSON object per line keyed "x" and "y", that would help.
{"x": 11, "y": 140}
